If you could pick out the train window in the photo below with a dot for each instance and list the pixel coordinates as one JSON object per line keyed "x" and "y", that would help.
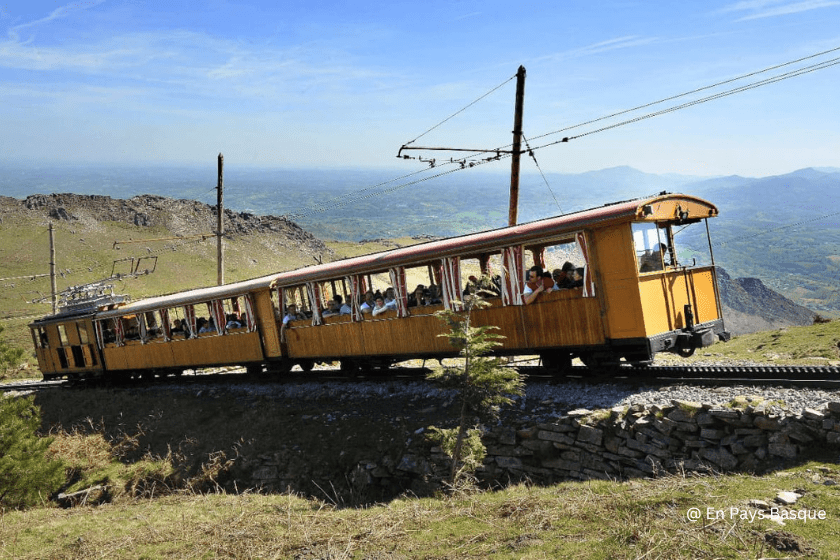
{"x": 565, "y": 262}
{"x": 83, "y": 334}
{"x": 43, "y": 339}
{"x": 651, "y": 245}
{"x": 481, "y": 273}
{"x": 298, "y": 297}
{"x": 62, "y": 359}
{"x": 62, "y": 335}
{"x": 153, "y": 328}
{"x": 420, "y": 282}
{"x": 178, "y": 324}
{"x": 78, "y": 356}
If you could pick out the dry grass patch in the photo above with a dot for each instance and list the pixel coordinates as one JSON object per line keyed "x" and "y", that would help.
{"x": 597, "y": 519}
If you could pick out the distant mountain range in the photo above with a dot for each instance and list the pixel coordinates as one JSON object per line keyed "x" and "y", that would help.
{"x": 783, "y": 229}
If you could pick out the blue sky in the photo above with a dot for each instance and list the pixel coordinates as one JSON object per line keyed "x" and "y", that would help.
{"x": 335, "y": 84}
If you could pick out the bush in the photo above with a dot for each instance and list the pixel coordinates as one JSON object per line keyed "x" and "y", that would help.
{"x": 28, "y": 475}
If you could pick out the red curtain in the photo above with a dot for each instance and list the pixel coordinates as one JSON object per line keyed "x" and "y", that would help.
{"x": 512, "y": 276}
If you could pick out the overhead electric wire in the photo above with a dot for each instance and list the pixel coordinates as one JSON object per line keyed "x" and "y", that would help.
{"x": 704, "y": 88}
{"x": 531, "y": 153}
{"x": 464, "y": 163}
{"x": 461, "y": 110}
{"x": 740, "y": 89}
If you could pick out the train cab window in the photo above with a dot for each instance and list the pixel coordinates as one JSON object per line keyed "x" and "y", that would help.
{"x": 652, "y": 246}
{"x": 42, "y": 340}
{"x": 62, "y": 335}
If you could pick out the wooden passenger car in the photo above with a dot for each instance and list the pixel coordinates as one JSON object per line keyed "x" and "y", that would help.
{"x": 636, "y": 299}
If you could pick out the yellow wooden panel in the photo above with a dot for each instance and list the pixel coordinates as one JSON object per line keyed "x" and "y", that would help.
{"x": 665, "y": 295}
{"x": 617, "y": 280}
{"x": 267, "y": 324}
{"x": 204, "y": 351}
{"x": 563, "y": 322}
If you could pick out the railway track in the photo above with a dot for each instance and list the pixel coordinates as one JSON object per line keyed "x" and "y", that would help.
{"x": 799, "y": 376}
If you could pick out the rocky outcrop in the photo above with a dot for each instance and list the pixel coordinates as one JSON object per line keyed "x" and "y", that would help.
{"x": 750, "y": 306}
{"x": 181, "y": 217}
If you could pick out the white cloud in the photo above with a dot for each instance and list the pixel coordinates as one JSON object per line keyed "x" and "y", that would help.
{"x": 59, "y": 13}
{"x": 600, "y": 47}
{"x": 772, "y": 8}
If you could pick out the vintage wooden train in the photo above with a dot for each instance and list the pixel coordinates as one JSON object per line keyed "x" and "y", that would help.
{"x": 636, "y": 299}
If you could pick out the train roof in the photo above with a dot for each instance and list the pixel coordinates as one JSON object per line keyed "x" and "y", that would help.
{"x": 662, "y": 207}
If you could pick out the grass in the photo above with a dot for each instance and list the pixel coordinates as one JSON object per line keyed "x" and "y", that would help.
{"x": 817, "y": 344}
{"x": 592, "y": 520}
{"x": 89, "y": 255}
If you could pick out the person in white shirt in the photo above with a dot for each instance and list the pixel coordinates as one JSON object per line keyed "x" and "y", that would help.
{"x": 292, "y": 314}
{"x": 379, "y": 306}
{"x": 369, "y": 303}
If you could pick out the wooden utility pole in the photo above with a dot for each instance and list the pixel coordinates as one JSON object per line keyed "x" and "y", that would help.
{"x": 52, "y": 272}
{"x": 513, "y": 207}
{"x": 220, "y": 230}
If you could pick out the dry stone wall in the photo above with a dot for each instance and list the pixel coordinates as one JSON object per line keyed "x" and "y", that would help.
{"x": 623, "y": 442}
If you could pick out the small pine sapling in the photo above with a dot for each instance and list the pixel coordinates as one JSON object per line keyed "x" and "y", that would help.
{"x": 482, "y": 383}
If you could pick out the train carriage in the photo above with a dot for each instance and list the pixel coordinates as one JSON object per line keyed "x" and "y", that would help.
{"x": 636, "y": 298}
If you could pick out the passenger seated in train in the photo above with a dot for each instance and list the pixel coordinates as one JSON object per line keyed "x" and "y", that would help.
{"x": 292, "y": 314}
{"x": 418, "y": 296}
{"x": 577, "y": 278}
{"x": 233, "y": 322}
{"x": 333, "y": 307}
{"x": 390, "y": 299}
{"x": 369, "y": 303}
{"x": 177, "y": 327}
{"x": 548, "y": 282}
{"x": 343, "y": 308}
{"x": 534, "y": 286}
{"x": 209, "y": 327}
{"x": 379, "y": 306}
{"x": 433, "y": 297}
{"x": 563, "y": 276}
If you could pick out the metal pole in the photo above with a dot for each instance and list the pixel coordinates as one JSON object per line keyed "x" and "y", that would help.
{"x": 220, "y": 229}
{"x": 513, "y": 207}
{"x": 52, "y": 271}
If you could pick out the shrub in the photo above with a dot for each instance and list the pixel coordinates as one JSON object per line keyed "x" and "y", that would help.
{"x": 27, "y": 474}
{"x": 483, "y": 386}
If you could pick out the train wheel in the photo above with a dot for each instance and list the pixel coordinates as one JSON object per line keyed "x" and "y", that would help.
{"x": 306, "y": 365}
{"x": 600, "y": 361}
{"x": 284, "y": 365}
{"x": 380, "y": 367}
{"x": 685, "y": 351}
{"x": 350, "y": 367}
{"x": 254, "y": 369}
{"x": 556, "y": 362}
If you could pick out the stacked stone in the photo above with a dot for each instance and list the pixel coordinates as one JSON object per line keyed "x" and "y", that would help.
{"x": 623, "y": 442}
{"x": 642, "y": 440}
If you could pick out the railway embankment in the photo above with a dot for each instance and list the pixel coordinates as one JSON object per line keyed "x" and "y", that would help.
{"x": 360, "y": 442}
